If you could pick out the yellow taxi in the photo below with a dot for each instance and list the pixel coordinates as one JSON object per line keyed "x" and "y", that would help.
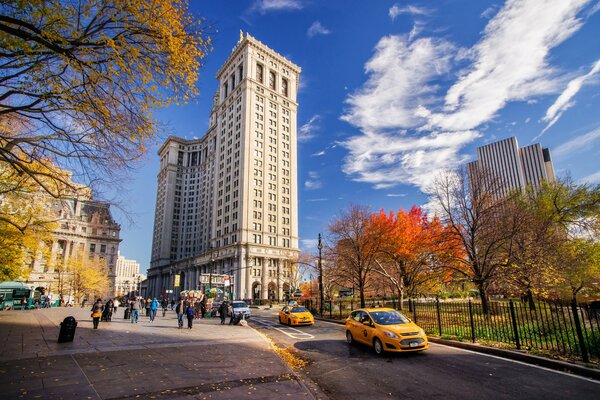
{"x": 295, "y": 315}
{"x": 385, "y": 329}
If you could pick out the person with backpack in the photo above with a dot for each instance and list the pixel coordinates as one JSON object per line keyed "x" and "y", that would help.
{"x": 191, "y": 313}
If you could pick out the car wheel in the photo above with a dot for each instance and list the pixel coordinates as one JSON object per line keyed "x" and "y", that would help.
{"x": 377, "y": 346}
{"x": 349, "y": 338}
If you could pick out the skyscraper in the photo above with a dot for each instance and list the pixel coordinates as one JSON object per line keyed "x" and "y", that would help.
{"x": 226, "y": 205}
{"x": 515, "y": 167}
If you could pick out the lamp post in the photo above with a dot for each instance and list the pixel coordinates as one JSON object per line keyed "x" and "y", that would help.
{"x": 320, "y": 247}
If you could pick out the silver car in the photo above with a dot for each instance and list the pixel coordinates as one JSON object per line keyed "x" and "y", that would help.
{"x": 241, "y": 307}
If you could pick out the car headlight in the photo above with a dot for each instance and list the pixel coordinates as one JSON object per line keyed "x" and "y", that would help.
{"x": 422, "y": 332}
{"x": 390, "y": 334}
{"x": 294, "y": 316}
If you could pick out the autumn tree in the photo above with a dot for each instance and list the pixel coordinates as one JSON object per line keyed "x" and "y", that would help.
{"x": 412, "y": 249}
{"x": 473, "y": 205}
{"x": 355, "y": 247}
{"x": 80, "y": 80}
{"x": 87, "y": 276}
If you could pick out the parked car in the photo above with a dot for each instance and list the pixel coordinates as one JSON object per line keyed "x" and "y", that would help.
{"x": 295, "y": 315}
{"x": 241, "y": 307}
{"x": 385, "y": 329}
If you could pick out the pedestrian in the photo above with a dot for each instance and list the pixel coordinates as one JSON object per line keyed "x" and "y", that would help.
{"x": 153, "y": 309}
{"x": 203, "y": 306}
{"x": 148, "y": 302}
{"x": 116, "y": 304}
{"x": 164, "y": 303}
{"x": 172, "y": 304}
{"x": 197, "y": 309}
{"x": 179, "y": 310}
{"x": 97, "y": 309}
{"x": 191, "y": 313}
{"x": 230, "y": 313}
{"x": 108, "y": 310}
{"x": 134, "y": 306}
{"x": 223, "y": 312}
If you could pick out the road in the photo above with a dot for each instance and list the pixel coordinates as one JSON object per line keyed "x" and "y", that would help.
{"x": 345, "y": 371}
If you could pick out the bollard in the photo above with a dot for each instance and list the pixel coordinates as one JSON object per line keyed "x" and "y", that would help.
{"x": 67, "y": 330}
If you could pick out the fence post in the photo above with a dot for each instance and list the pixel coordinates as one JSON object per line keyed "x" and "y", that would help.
{"x": 414, "y": 308}
{"x": 584, "y": 354}
{"x": 513, "y": 318}
{"x": 439, "y": 315}
{"x": 472, "y": 322}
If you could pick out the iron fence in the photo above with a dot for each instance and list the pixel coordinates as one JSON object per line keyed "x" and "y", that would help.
{"x": 549, "y": 328}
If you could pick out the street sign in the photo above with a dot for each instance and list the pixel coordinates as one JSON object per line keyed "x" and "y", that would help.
{"x": 176, "y": 283}
{"x": 226, "y": 280}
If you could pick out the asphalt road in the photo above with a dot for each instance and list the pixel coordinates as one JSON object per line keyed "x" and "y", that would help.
{"x": 345, "y": 371}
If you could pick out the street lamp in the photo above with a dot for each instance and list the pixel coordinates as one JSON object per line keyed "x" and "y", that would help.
{"x": 320, "y": 247}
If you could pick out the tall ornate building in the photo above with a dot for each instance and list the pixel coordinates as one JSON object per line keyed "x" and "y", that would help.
{"x": 85, "y": 228}
{"x": 226, "y": 205}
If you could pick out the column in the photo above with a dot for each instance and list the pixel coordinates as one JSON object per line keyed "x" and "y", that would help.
{"x": 264, "y": 284}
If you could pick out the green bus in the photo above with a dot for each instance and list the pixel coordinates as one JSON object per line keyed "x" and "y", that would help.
{"x": 15, "y": 295}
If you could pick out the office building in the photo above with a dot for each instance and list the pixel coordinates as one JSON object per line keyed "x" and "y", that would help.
{"x": 515, "y": 167}
{"x": 226, "y": 206}
{"x": 127, "y": 276}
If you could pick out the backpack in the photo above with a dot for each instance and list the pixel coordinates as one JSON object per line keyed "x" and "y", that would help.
{"x": 190, "y": 311}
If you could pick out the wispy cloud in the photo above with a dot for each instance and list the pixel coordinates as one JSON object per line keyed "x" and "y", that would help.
{"x": 396, "y": 10}
{"x": 316, "y": 200}
{"x": 308, "y": 244}
{"x": 564, "y": 101}
{"x": 411, "y": 129}
{"x": 314, "y": 181}
{"x": 591, "y": 179}
{"x": 490, "y": 11}
{"x": 264, "y": 6}
{"x": 307, "y": 131}
{"x": 575, "y": 145}
{"x": 396, "y": 194}
{"x": 317, "y": 29}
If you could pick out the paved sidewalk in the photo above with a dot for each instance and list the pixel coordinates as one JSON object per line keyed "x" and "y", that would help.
{"x": 148, "y": 360}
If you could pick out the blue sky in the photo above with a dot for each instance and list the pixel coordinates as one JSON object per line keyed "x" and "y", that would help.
{"x": 392, "y": 92}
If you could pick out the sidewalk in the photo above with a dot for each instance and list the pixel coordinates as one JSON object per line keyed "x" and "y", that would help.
{"x": 147, "y": 360}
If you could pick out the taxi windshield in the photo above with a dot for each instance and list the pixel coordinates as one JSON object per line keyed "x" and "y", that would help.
{"x": 299, "y": 309}
{"x": 389, "y": 317}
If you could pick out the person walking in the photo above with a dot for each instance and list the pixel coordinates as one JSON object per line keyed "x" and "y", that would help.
{"x": 230, "y": 312}
{"x": 172, "y": 304}
{"x": 108, "y": 310}
{"x": 203, "y": 306}
{"x": 134, "y": 306}
{"x": 191, "y": 313}
{"x": 197, "y": 309}
{"x": 223, "y": 311}
{"x": 164, "y": 303}
{"x": 153, "y": 309}
{"x": 97, "y": 309}
{"x": 180, "y": 310}
{"x": 148, "y": 302}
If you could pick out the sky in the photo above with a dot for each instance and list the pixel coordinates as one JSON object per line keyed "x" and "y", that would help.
{"x": 393, "y": 92}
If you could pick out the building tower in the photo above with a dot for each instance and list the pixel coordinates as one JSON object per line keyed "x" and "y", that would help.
{"x": 516, "y": 167}
{"x": 226, "y": 205}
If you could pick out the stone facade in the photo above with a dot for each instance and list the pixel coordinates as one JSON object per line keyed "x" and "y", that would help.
{"x": 226, "y": 206}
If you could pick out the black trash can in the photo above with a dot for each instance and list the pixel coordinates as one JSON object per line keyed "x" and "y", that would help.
{"x": 67, "y": 330}
{"x": 127, "y": 314}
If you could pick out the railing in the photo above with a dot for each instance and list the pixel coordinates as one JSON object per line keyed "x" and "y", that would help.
{"x": 550, "y": 328}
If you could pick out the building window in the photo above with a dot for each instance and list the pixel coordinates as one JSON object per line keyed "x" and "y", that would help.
{"x": 272, "y": 80}
{"x": 92, "y": 247}
{"x": 102, "y": 248}
{"x": 284, "y": 87}
{"x": 259, "y": 73}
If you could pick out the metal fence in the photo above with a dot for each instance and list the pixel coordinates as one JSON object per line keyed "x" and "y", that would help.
{"x": 555, "y": 329}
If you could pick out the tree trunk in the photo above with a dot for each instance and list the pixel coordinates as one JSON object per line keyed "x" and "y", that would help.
{"x": 530, "y": 300}
{"x": 484, "y": 299}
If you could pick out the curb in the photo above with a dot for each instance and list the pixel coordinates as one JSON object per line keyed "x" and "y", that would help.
{"x": 511, "y": 355}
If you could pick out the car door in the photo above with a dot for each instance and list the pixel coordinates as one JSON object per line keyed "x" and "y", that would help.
{"x": 367, "y": 328}
{"x": 283, "y": 314}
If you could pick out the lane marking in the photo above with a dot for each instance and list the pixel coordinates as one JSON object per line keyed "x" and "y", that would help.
{"x": 288, "y": 331}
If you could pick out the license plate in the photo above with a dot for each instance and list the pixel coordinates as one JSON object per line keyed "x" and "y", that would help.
{"x": 414, "y": 344}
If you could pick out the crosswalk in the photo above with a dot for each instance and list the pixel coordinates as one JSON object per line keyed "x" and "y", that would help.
{"x": 286, "y": 330}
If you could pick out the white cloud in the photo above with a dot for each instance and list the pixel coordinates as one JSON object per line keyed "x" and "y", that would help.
{"x": 564, "y": 102}
{"x": 264, "y": 6}
{"x": 510, "y": 61}
{"x": 396, "y": 10}
{"x": 396, "y": 194}
{"x": 490, "y": 11}
{"x": 307, "y": 131}
{"x": 316, "y": 200}
{"x": 400, "y": 73}
{"x": 582, "y": 142}
{"x": 317, "y": 29}
{"x": 314, "y": 181}
{"x": 591, "y": 179}
{"x": 308, "y": 244}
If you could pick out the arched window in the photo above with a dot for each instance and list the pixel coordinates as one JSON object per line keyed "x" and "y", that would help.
{"x": 284, "y": 87}
{"x": 272, "y": 80}
{"x": 259, "y": 73}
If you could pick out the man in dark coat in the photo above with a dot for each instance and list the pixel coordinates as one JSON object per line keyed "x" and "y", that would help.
{"x": 223, "y": 312}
